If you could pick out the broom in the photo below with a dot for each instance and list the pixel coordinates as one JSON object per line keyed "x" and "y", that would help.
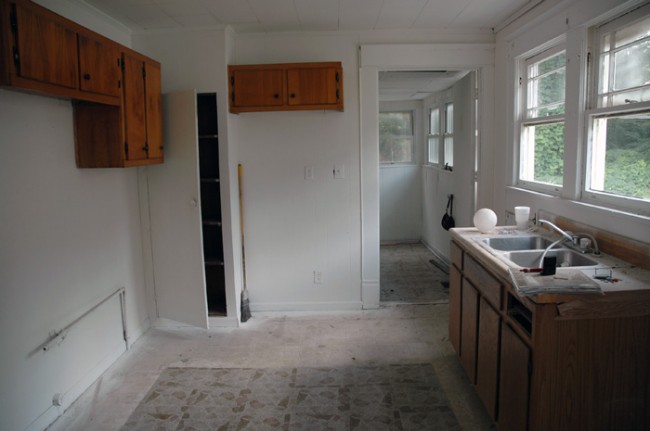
{"x": 245, "y": 306}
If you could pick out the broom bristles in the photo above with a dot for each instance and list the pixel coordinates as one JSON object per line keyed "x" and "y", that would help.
{"x": 245, "y": 306}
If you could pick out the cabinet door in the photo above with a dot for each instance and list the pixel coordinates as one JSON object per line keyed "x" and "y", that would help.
{"x": 99, "y": 66}
{"x": 514, "y": 382}
{"x": 135, "y": 129}
{"x": 487, "y": 360}
{"x": 47, "y": 47}
{"x": 469, "y": 329}
{"x": 257, "y": 88}
{"x": 175, "y": 214}
{"x": 154, "y": 111}
{"x": 455, "y": 280}
{"x": 313, "y": 86}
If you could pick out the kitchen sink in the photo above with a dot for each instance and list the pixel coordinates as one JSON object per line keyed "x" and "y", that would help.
{"x": 511, "y": 243}
{"x": 565, "y": 258}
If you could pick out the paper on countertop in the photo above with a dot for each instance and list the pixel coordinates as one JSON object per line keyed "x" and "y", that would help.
{"x": 564, "y": 281}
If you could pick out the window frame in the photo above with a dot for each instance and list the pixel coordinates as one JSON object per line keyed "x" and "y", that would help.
{"x": 523, "y": 63}
{"x": 414, "y": 156}
{"x": 441, "y": 106}
{"x": 593, "y": 112}
{"x": 431, "y": 135}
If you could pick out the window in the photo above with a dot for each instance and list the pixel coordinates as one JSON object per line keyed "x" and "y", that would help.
{"x": 434, "y": 136}
{"x": 541, "y": 147}
{"x": 618, "y": 164}
{"x": 449, "y": 136}
{"x": 396, "y": 139}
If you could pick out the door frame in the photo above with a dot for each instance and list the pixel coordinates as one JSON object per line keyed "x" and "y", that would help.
{"x": 375, "y": 58}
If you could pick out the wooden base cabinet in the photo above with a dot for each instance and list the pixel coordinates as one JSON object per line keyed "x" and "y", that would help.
{"x": 540, "y": 366}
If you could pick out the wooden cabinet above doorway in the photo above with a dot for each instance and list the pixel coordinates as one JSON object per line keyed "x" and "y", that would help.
{"x": 286, "y": 87}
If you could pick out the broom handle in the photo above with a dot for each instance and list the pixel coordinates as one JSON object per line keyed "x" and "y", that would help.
{"x": 240, "y": 173}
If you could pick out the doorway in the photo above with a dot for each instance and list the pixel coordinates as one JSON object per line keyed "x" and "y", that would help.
{"x": 427, "y": 126}
{"x": 377, "y": 58}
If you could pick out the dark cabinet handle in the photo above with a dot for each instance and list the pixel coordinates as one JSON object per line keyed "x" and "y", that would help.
{"x": 87, "y": 76}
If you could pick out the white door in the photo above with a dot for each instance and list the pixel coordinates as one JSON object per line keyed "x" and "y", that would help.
{"x": 175, "y": 212}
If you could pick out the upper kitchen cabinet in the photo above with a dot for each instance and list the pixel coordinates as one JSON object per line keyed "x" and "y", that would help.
{"x": 286, "y": 87}
{"x": 43, "y": 52}
{"x": 128, "y": 135}
{"x": 99, "y": 65}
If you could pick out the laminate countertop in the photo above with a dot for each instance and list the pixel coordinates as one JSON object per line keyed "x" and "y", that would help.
{"x": 628, "y": 293}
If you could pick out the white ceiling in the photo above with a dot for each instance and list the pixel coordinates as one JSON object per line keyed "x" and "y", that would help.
{"x": 327, "y": 15}
{"x": 311, "y": 15}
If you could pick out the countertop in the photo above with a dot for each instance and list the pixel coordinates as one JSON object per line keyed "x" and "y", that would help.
{"x": 633, "y": 283}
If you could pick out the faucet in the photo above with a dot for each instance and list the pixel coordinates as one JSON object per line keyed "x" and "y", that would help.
{"x": 566, "y": 235}
{"x": 578, "y": 247}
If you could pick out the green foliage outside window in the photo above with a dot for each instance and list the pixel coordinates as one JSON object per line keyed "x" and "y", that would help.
{"x": 627, "y": 165}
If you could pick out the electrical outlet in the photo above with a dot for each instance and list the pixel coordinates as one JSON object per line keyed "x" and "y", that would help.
{"x": 318, "y": 277}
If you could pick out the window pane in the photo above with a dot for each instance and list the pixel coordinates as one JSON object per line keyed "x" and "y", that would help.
{"x": 434, "y": 149}
{"x": 546, "y": 86}
{"x": 631, "y": 66}
{"x": 395, "y": 149}
{"x": 542, "y": 153}
{"x": 620, "y": 157}
{"x": 623, "y": 69}
{"x": 449, "y": 118}
{"x": 434, "y": 122}
{"x": 396, "y": 137}
{"x": 396, "y": 123}
{"x": 633, "y": 33}
{"x": 449, "y": 151}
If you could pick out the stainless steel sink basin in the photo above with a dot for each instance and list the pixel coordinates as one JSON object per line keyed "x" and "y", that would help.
{"x": 511, "y": 243}
{"x": 565, "y": 258}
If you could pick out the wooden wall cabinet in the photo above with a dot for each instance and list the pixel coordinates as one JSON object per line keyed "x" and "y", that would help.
{"x": 127, "y": 135}
{"x": 286, "y": 87}
{"x": 45, "y": 53}
{"x": 116, "y": 91}
{"x": 537, "y": 370}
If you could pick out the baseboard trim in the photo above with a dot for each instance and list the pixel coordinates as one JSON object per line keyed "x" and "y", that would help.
{"x": 305, "y": 306}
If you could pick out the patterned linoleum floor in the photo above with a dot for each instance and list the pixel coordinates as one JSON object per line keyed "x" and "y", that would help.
{"x": 362, "y": 398}
{"x": 408, "y": 276}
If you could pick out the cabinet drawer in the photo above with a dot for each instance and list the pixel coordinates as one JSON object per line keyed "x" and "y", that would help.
{"x": 456, "y": 255}
{"x": 483, "y": 280}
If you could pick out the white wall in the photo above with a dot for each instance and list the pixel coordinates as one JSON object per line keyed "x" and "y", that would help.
{"x": 69, "y": 238}
{"x": 197, "y": 59}
{"x": 400, "y": 185}
{"x": 569, "y": 19}
{"x": 296, "y": 226}
{"x": 438, "y": 184}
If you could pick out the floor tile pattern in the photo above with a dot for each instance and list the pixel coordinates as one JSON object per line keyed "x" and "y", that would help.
{"x": 408, "y": 276}
{"x": 360, "y": 398}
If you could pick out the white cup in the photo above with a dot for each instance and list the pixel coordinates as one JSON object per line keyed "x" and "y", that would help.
{"x": 521, "y": 217}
